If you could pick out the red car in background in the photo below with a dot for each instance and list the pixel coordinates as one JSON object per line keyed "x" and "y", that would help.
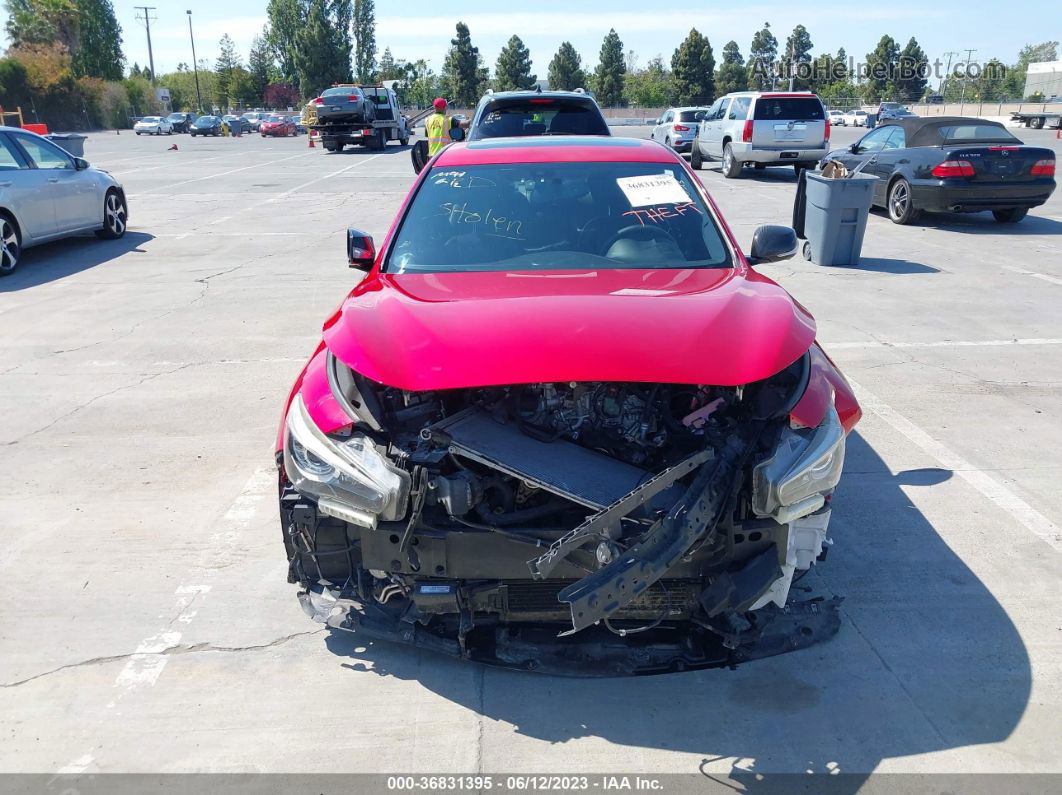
{"x": 563, "y": 425}
{"x": 278, "y": 126}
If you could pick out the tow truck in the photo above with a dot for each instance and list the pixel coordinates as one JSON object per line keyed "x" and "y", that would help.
{"x": 1039, "y": 120}
{"x": 387, "y": 122}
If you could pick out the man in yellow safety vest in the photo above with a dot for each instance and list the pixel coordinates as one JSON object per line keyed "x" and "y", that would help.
{"x": 437, "y": 127}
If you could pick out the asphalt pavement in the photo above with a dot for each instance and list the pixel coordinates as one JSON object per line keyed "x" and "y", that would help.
{"x": 147, "y": 625}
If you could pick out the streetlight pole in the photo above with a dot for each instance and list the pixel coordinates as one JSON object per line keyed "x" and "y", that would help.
{"x": 195, "y": 64}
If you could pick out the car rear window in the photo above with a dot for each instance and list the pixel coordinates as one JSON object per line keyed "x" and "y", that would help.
{"x": 954, "y": 133}
{"x": 689, "y": 115}
{"x": 557, "y": 216}
{"x": 337, "y": 91}
{"x": 541, "y": 117}
{"x": 788, "y": 108}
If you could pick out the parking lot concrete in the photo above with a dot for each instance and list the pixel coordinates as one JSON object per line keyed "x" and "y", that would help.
{"x": 147, "y": 625}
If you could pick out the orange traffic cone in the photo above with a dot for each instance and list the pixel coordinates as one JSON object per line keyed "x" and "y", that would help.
{"x": 172, "y": 148}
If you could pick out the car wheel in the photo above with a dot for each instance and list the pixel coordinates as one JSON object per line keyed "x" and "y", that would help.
{"x": 695, "y": 156}
{"x": 1011, "y": 216}
{"x": 900, "y": 203}
{"x": 667, "y": 142}
{"x": 138, "y": 132}
{"x": 731, "y": 166}
{"x": 1037, "y": 123}
{"x": 404, "y": 141}
{"x": 114, "y": 215}
{"x": 10, "y": 246}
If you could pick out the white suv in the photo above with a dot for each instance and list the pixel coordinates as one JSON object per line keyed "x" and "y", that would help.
{"x": 763, "y": 128}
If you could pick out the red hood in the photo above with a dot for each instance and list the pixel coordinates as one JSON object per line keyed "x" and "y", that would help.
{"x": 447, "y": 330}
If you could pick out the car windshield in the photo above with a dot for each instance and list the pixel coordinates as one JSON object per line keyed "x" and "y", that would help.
{"x": 539, "y": 117}
{"x": 151, "y": 119}
{"x": 204, "y": 121}
{"x": 557, "y": 216}
{"x": 788, "y": 108}
{"x": 175, "y": 117}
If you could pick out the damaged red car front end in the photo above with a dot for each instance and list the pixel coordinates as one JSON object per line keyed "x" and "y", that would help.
{"x": 562, "y": 425}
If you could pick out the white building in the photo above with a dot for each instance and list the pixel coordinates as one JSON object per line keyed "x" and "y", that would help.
{"x": 1044, "y": 78}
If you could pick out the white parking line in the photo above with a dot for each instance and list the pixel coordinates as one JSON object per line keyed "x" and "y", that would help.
{"x": 145, "y": 665}
{"x": 221, "y": 174}
{"x": 278, "y": 196}
{"x": 1034, "y": 521}
{"x": 1041, "y": 276}
{"x": 942, "y": 343}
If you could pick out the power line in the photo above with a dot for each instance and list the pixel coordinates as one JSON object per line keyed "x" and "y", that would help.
{"x": 147, "y": 19}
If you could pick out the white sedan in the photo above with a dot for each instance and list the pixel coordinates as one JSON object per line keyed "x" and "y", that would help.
{"x": 855, "y": 118}
{"x": 153, "y": 125}
{"x": 836, "y": 118}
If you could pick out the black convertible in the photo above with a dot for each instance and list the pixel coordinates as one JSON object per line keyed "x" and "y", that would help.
{"x": 951, "y": 164}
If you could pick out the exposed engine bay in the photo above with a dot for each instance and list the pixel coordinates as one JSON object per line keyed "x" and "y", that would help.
{"x": 592, "y": 528}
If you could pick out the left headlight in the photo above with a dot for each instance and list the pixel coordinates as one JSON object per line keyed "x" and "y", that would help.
{"x": 350, "y": 471}
{"x": 806, "y": 463}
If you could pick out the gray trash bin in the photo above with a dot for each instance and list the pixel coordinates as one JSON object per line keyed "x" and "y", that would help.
{"x": 71, "y": 142}
{"x": 835, "y": 217}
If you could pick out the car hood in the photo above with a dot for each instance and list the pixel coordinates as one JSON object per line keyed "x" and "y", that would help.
{"x": 449, "y": 330}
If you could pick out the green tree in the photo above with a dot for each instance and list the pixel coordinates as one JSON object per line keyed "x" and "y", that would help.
{"x": 286, "y": 19}
{"x": 43, "y": 22}
{"x": 259, "y": 69}
{"x": 464, "y": 77}
{"x": 418, "y": 85}
{"x": 840, "y": 66}
{"x": 731, "y": 75}
{"x": 797, "y": 58}
{"x": 651, "y": 87}
{"x": 1014, "y": 86}
{"x": 566, "y": 69}
{"x": 389, "y": 70}
{"x": 341, "y": 12}
{"x": 611, "y": 71}
{"x": 226, "y": 66}
{"x": 364, "y": 25}
{"x": 513, "y": 69}
{"x": 912, "y": 76}
{"x": 762, "y": 56}
{"x": 881, "y": 67}
{"x": 99, "y": 50}
{"x": 321, "y": 56}
{"x": 693, "y": 71}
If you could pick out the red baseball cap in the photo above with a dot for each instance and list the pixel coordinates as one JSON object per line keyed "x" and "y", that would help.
{"x": 439, "y": 103}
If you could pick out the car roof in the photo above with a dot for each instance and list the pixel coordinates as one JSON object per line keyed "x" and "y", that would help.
{"x": 922, "y": 130}
{"x": 554, "y": 149}
{"x": 533, "y": 93}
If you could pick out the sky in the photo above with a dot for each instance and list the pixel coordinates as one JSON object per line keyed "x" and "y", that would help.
{"x": 422, "y": 29}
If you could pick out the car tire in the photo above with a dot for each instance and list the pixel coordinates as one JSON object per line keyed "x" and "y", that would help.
{"x": 1037, "y": 123}
{"x": 404, "y": 141}
{"x": 900, "y": 203}
{"x": 1011, "y": 216}
{"x": 10, "y": 245}
{"x": 731, "y": 165}
{"x": 115, "y": 213}
{"x": 696, "y": 162}
{"x": 138, "y": 132}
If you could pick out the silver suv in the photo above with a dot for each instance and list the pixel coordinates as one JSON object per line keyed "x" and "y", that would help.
{"x": 767, "y": 128}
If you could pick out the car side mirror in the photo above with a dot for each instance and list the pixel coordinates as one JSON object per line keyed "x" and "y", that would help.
{"x": 361, "y": 253}
{"x": 854, "y": 148}
{"x": 772, "y": 243}
{"x": 80, "y": 163}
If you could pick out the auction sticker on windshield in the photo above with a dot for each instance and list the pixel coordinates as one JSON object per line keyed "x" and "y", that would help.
{"x": 653, "y": 189}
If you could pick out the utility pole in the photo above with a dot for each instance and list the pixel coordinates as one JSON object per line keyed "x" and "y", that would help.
{"x": 947, "y": 73}
{"x": 146, "y": 19}
{"x": 195, "y": 64}
{"x": 966, "y": 75}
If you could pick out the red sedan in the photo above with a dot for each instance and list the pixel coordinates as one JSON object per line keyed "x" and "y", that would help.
{"x": 278, "y": 126}
{"x": 564, "y": 425}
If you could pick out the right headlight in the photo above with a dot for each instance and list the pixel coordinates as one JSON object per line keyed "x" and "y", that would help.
{"x": 350, "y": 471}
{"x": 805, "y": 463}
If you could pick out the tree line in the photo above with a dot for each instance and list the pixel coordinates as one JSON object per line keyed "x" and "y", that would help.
{"x": 66, "y": 66}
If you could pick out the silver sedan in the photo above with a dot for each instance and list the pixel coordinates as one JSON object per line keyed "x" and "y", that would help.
{"x": 46, "y": 193}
